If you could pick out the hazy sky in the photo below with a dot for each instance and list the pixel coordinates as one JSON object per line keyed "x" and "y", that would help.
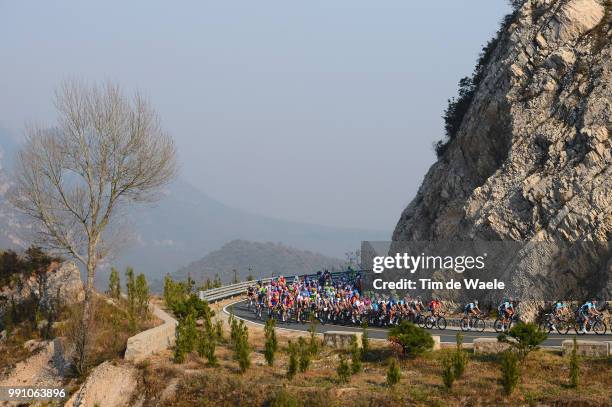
{"x": 318, "y": 111}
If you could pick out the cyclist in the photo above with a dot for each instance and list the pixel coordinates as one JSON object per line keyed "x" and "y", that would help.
{"x": 588, "y": 310}
{"x": 559, "y": 309}
{"x": 506, "y": 310}
{"x": 471, "y": 309}
{"x": 434, "y": 307}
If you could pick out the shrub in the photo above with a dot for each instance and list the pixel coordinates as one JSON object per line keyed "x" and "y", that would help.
{"x": 394, "y": 374}
{"x": 510, "y": 371}
{"x": 313, "y": 344}
{"x": 292, "y": 368}
{"x": 460, "y": 358}
{"x": 356, "y": 356}
{"x": 284, "y": 398}
{"x": 271, "y": 342}
{"x": 206, "y": 347}
{"x": 219, "y": 330}
{"x": 527, "y": 337}
{"x": 412, "y": 339}
{"x": 114, "y": 284}
{"x": 365, "y": 340}
{"x": 186, "y": 337}
{"x": 242, "y": 347}
{"x": 343, "y": 370}
{"x": 304, "y": 355}
{"x": 448, "y": 371}
{"x": 175, "y": 291}
{"x": 574, "y": 367}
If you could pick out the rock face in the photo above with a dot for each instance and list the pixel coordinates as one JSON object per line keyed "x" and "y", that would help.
{"x": 61, "y": 279}
{"x": 531, "y": 159}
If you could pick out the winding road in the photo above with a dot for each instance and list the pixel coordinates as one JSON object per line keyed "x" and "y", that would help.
{"x": 446, "y": 336}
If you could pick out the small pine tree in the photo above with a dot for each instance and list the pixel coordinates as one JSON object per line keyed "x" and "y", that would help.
{"x": 460, "y": 358}
{"x": 343, "y": 370}
{"x": 292, "y": 368}
{"x": 365, "y": 340}
{"x": 510, "y": 371}
{"x": 186, "y": 338}
{"x": 574, "y": 366}
{"x": 394, "y": 374}
{"x": 448, "y": 372}
{"x": 141, "y": 294}
{"x": 313, "y": 344}
{"x": 271, "y": 344}
{"x": 242, "y": 347}
{"x": 131, "y": 290}
{"x": 219, "y": 330}
{"x": 114, "y": 284}
{"x": 304, "y": 351}
{"x": 356, "y": 364}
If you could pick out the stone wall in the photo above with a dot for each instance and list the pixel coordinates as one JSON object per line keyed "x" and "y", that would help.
{"x": 152, "y": 340}
{"x": 487, "y": 346}
{"x": 587, "y": 348}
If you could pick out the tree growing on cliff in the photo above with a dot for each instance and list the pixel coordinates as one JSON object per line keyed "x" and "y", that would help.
{"x": 74, "y": 179}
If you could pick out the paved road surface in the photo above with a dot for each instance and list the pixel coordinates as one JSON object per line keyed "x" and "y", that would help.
{"x": 447, "y": 335}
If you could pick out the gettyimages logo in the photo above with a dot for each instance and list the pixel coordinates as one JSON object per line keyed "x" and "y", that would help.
{"x": 412, "y": 264}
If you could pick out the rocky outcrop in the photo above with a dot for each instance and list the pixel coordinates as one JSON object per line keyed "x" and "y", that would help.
{"x": 538, "y": 127}
{"x": 108, "y": 385}
{"x": 531, "y": 160}
{"x": 61, "y": 281}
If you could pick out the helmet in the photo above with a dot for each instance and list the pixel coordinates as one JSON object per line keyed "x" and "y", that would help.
{"x": 475, "y": 302}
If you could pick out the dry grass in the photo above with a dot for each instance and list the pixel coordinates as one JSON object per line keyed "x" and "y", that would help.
{"x": 544, "y": 381}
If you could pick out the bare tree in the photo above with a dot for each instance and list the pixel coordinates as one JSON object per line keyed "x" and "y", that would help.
{"x": 105, "y": 152}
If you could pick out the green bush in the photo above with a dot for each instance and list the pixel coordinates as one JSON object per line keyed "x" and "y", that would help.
{"x": 242, "y": 347}
{"x": 356, "y": 356}
{"x": 574, "y": 367}
{"x": 365, "y": 340}
{"x": 304, "y": 355}
{"x": 460, "y": 358}
{"x": 206, "y": 347}
{"x": 114, "y": 284}
{"x": 510, "y": 371}
{"x": 448, "y": 371}
{"x": 313, "y": 344}
{"x": 527, "y": 337}
{"x": 219, "y": 330}
{"x": 394, "y": 374}
{"x": 271, "y": 344}
{"x": 284, "y": 398}
{"x": 292, "y": 368}
{"x": 343, "y": 370}
{"x": 412, "y": 339}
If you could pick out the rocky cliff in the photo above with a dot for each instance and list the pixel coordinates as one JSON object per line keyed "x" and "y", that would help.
{"x": 531, "y": 158}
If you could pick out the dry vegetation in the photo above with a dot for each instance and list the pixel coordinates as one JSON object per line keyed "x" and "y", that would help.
{"x": 544, "y": 381}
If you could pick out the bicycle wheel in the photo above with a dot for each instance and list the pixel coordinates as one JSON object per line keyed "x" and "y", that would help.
{"x": 429, "y": 322}
{"x": 420, "y": 321}
{"x": 498, "y": 325}
{"x": 578, "y": 328}
{"x": 441, "y": 322}
{"x": 464, "y": 324}
{"x": 478, "y": 324}
{"x": 562, "y": 327}
{"x": 599, "y": 327}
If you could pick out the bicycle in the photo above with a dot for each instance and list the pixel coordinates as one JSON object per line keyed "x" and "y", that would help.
{"x": 473, "y": 323}
{"x": 504, "y": 324}
{"x": 595, "y": 324}
{"x": 551, "y": 321}
{"x": 439, "y": 322}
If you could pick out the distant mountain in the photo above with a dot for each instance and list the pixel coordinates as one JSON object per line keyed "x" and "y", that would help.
{"x": 259, "y": 259}
{"x": 187, "y": 224}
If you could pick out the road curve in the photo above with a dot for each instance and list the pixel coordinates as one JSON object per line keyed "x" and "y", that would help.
{"x": 446, "y": 336}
